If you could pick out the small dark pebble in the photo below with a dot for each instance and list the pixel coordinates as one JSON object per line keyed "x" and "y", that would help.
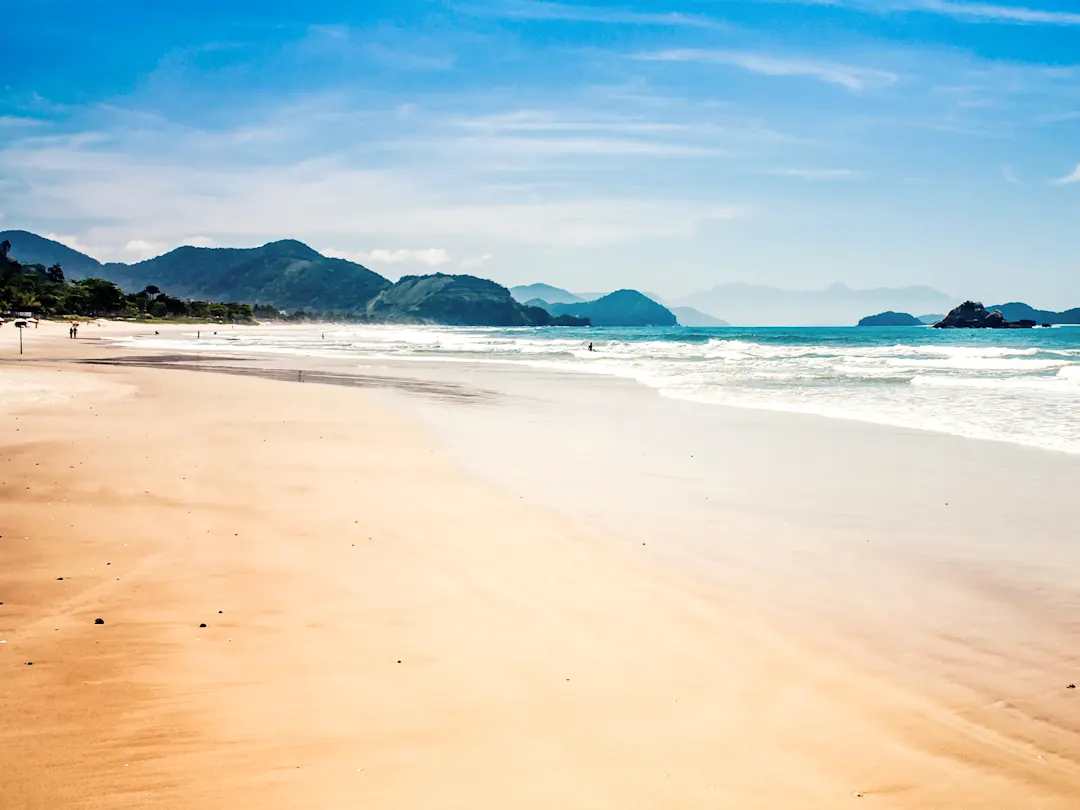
{"x": 219, "y": 612}
{"x": 1071, "y": 686}
{"x": 59, "y": 579}
{"x": 29, "y": 663}
{"x": 399, "y": 662}
{"x": 99, "y": 621}
{"x": 202, "y": 625}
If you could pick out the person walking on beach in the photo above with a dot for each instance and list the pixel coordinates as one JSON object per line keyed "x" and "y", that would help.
{"x": 71, "y": 331}
{"x": 590, "y": 347}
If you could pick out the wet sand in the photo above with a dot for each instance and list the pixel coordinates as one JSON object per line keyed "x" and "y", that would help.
{"x": 397, "y": 632}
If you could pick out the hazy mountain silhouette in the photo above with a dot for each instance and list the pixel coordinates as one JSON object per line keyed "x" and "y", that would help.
{"x": 545, "y": 292}
{"x": 688, "y": 316}
{"x": 838, "y": 305}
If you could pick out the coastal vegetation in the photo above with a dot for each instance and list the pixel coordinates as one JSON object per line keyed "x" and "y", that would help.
{"x": 47, "y": 291}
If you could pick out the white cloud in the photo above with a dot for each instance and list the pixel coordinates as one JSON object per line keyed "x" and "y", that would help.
{"x": 538, "y": 10}
{"x": 74, "y": 243}
{"x": 976, "y": 12}
{"x": 991, "y": 12}
{"x": 815, "y": 174}
{"x": 594, "y": 147}
{"x": 565, "y": 121}
{"x": 142, "y": 249}
{"x": 1073, "y": 177}
{"x": 852, "y": 77}
{"x": 1008, "y": 174}
{"x": 475, "y": 262}
{"x": 468, "y": 194}
{"x": 432, "y": 257}
{"x": 168, "y": 199}
{"x": 15, "y": 121}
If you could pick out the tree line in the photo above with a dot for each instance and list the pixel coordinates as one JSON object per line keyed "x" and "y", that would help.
{"x": 45, "y": 290}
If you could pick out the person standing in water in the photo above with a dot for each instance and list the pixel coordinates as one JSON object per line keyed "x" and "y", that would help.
{"x": 590, "y": 347}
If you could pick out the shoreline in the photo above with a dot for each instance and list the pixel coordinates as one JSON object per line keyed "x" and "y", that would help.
{"x": 544, "y": 663}
{"x": 890, "y": 417}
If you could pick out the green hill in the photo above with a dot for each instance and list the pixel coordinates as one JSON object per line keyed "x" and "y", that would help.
{"x": 29, "y": 248}
{"x": 455, "y": 301}
{"x": 620, "y": 308}
{"x": 1017, "y": 311}
{"x": 286, "y": 274}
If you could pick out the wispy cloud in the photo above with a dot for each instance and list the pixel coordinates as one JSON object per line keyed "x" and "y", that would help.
{"x": 1008, "y": 174}
{"x": 431, "y": 257}
{"x": 990, "y": 12}
{"x": 1058, "y": 117}
{"x": 141, "y": 249}
{"x": 975, "y": 12}
{"x": 852, "y": 77}
{"x": 816, "y": 174}
{"x": 540, "y": 148}
{"x": 475, "y": 262}
{"x": 17, "y": 121}
{"x": 74, "y": 243}
{"x": 1073, "y": 177}
{"x": 565, "y": 121}
{"x": 540, "y": 10}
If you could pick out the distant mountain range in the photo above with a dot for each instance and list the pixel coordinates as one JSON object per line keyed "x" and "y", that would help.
{"x": 688, "y": 316}
{"x": 286, "y": 274}
{"x": 289, "y": 275}
{"x": 838, "y": 305}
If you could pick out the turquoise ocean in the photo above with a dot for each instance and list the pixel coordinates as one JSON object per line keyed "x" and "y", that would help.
{"x": 1012, "y": 386}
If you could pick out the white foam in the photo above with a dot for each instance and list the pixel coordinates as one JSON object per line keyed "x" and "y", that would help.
{"x": 1021, "y": 393}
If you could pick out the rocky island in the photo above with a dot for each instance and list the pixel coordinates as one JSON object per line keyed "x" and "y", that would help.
{"x": 973, "y": 315}
{"x": 891, "y": 319}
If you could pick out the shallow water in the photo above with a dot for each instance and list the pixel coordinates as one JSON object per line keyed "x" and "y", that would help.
{"x": 1015, "y": 386}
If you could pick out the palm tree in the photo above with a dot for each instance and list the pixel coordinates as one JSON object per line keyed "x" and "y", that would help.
{"x": 25, "y": 301}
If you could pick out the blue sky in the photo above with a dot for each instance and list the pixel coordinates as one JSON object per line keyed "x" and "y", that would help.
{"x": 670, "y": 146}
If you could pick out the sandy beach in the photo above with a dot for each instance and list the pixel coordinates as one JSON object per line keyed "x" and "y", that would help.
{"x": 391, "y": 623}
